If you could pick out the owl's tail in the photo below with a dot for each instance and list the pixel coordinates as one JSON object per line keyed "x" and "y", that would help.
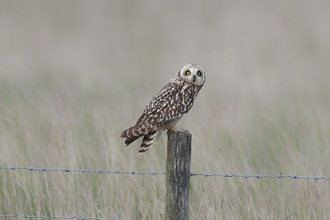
{"x": 131, "y": 135}
{"x": 147, "y": 142}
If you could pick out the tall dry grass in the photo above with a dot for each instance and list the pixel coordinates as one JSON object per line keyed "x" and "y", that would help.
{"x": 75, "y": 74}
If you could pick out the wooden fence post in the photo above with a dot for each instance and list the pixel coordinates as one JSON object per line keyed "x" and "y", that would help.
{"x": 177, "y": 175}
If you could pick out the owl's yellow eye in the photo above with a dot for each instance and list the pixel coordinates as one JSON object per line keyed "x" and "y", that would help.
{"x": 199, "y": 73}
{"x": 188, "y": 73}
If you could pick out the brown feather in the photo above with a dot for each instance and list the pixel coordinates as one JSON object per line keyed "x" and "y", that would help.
{"x": 147, "y": 142}
{"x": 129, "y": 135}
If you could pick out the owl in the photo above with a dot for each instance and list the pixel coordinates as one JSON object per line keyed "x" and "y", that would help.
{"x": 167, "y": 107}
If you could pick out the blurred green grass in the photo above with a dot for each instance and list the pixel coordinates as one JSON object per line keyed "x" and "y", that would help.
{"x": 74, "y": 75}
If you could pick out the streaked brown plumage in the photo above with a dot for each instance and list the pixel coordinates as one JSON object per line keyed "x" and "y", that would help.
{"x": 168, "y": 105}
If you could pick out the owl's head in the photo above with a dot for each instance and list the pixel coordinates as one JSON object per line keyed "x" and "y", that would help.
{"x": 193, "y": 73}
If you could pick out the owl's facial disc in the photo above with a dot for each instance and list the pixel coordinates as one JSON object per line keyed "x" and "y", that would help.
{"x": 193, "y": 73}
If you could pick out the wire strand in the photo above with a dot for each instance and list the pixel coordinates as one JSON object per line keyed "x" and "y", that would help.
{"x": 55, "y": 217}
{"x": 228, "y": 175}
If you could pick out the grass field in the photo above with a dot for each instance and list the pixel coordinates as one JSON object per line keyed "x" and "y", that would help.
{"x": 73, "y": 75}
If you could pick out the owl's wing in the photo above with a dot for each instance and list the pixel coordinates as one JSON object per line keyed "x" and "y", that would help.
{"x": 161, "y": 99}
{"x": 169, "y": 104}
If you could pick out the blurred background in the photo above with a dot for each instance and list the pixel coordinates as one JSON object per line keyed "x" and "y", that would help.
{"x": 74, "y": 74}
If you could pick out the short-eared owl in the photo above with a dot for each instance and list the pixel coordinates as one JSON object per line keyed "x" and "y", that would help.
{"x": 166, "y": 108}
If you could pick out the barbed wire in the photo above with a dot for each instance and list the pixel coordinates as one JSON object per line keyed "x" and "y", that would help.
{"x": 55, "y": 217}
{"x": 258, "y": 176}
{"x": 41, "y": 169}
{"x": 228, "y": 175}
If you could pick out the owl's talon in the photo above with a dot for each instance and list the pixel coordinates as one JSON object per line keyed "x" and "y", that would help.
{"x": 177, "y": 130}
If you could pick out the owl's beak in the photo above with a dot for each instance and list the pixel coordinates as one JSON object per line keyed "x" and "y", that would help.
{"x": 194, "y": 78}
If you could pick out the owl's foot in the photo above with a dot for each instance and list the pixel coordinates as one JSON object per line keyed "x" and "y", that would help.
{"x": 183, "y": 130}
{"x": 175, "y": 129}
